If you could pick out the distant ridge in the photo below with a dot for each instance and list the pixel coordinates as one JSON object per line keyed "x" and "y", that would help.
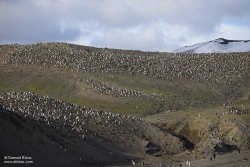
{"x": 219, "y": 45}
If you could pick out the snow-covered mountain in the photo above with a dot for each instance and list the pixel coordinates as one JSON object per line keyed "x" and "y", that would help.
{"x": 219, "y": 45}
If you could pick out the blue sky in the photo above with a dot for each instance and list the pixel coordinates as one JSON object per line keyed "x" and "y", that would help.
{"x": 149, "y": 25}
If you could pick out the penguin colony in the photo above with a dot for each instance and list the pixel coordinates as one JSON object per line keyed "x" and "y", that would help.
{"x": 214, "y": 67}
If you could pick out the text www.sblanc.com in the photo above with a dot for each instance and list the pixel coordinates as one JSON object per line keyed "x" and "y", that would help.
{"x": 17, "y": 160}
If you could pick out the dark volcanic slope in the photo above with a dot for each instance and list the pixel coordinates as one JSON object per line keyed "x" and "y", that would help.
{"x": 99, "y": 131}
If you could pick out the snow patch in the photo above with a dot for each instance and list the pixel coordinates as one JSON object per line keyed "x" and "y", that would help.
{"x": 219, "y": 45}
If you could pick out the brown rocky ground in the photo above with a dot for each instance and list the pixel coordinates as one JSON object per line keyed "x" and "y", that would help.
{"x": 156, "y": 139}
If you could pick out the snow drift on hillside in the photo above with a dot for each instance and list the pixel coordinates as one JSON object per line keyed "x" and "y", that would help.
{"x": 219, "y": 45}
